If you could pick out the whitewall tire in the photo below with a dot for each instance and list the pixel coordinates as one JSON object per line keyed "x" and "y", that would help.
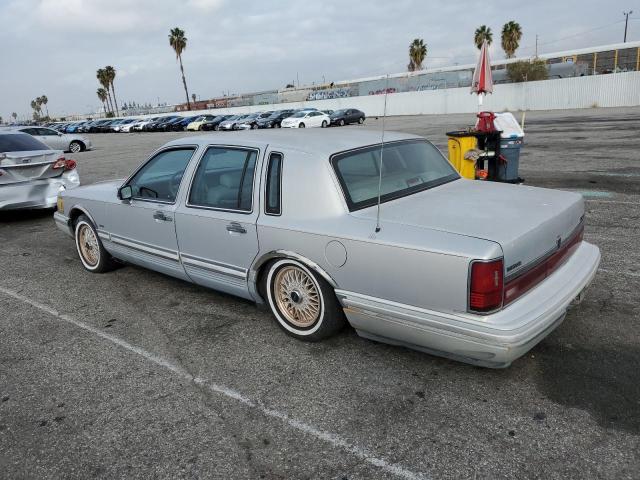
{"x": 92, "y": 254}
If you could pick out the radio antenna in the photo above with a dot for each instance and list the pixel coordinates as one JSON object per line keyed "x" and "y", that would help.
{"x": 384, "y": 115}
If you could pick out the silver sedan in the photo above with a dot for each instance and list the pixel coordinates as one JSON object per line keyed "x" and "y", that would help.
{"x": 475, "y": 271}
{"x": 32, "y": 174}
{"x": 67, "y": 142}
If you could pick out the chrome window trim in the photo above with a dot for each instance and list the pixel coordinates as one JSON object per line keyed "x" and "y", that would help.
{"x": 266, "y": 185}
{"x": 193, "y": 146}
{"x": 195, "y": 170}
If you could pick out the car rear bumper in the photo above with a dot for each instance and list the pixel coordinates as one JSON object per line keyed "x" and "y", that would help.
{"x": 37, "y": 193}
{"x": 493, "y": 340}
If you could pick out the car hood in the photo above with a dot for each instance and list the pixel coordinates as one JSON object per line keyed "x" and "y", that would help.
{"x": 526, "y": 221}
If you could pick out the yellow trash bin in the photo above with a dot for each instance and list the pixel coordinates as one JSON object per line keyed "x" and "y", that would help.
{"x": 460, "y": 142}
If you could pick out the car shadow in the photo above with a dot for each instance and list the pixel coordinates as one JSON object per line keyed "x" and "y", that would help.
{"x": 603, "y": 382}
{"x": 14, "y": 216}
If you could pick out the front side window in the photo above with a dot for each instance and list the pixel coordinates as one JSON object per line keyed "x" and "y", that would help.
{"x": 274, "y": 185}
{"x": 224, "y": 179}
{"x": 407, "y": 167}
{"x": 160, "y": 177}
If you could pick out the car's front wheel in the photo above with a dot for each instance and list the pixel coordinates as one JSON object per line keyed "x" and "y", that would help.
{"x": 75, "y": 146}
{"x": 303, "y": 303}
{"x": 341, "y": 122}
{"x": 324, "y": 124}
{"x": 92, "y": 254}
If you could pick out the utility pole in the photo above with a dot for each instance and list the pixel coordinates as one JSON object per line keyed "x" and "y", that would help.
{"x": 536, "y": 45}
{"x": 626, "y": 23}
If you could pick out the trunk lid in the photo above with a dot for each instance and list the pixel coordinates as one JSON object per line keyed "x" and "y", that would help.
{"x": 527, "y": 222}
{"x": 16, "y": 167}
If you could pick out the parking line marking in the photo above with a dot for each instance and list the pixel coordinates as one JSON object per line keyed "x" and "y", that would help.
{"x": 614, "y": 272}
{"x": 596, "y": 200}
{"x": 334, "y": 439}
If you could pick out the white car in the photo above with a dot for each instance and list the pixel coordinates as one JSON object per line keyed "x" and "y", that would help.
{"x": 67, "y": 142}
{"x": 138, "y": 126}
{"x": 130, "y": 127}
{"x": 306, "y": 119}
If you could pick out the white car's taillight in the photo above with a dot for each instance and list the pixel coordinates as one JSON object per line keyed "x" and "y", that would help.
{"x": 486, "y": 285}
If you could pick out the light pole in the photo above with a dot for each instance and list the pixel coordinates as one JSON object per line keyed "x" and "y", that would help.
{"x": 626, "y": 23}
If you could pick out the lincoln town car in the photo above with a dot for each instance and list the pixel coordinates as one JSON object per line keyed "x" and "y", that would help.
{"x": 330, "y": 228}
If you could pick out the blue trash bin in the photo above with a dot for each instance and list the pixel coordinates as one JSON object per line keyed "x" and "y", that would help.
{"x": 511, "y": 141}
{"x": 509, "y": 161}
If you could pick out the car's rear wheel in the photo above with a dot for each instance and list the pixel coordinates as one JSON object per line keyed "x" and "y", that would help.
{"x": 75, "y": 146}
{"x": 277, "y": 125}
{"x": 324, "y": 124}
{"x": 361, "y": 120}
{"x": 216, "y": 128}
{"x": 90, "y": 249}
{"x": 303, "y": 303}
{"x": 254, "y": 126}
{"x": 341, "y": 122}
{"x": 301, "y": 125}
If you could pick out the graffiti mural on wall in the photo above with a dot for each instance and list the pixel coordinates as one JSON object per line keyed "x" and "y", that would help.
{"x": 329, "y": 93}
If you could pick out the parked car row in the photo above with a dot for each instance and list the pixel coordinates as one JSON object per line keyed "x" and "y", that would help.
{"x": 289, "y": 118}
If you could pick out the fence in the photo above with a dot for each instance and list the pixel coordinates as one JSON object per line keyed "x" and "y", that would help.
{"x": 612, "y": 90}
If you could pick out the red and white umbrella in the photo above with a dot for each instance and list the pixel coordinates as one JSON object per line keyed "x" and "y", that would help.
{"x": 482, "y": 82}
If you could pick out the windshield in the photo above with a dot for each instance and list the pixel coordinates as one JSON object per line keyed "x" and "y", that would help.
{"x": 20, "y": 142}
{"x": 408, "y": 166}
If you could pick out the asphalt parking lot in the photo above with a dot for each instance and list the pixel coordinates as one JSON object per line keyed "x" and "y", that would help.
{"x": 135, "y": 374}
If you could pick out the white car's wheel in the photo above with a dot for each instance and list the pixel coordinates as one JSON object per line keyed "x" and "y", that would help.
{"x": 92, "y": 254}
{"x": 303, "y": 303}
{"x": 301, "y": 125}
{"x": 75, "y": 146}
{"x": 324, "y": 124}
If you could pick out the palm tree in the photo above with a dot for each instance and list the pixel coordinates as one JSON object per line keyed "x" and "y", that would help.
{"x": 482, "y": 33}
{"x": 44, "y": 101}
{"x": 110, "y": 72}
{"x": 417, "y": 54}
{"x": 101, "y": 75}
{"x": 193, "y": 97}
{"x": 34, "y": 106}
{"x": 102, "y": 95}
{"x": 511, "y": 35}
{"x": 178, "y": 42}
{"x": 15, "y": 116}
{"x": 39, "y": 106}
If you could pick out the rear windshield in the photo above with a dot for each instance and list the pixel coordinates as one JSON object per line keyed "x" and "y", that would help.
{"x": 20, "y": 142}
{"x": 408, "y": 166}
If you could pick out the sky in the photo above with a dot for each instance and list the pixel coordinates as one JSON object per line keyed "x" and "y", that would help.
{"x": 54, "y": 47}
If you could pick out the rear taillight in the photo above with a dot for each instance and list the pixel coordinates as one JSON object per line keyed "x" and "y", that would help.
{"x": 486, "y": 285}
{"x": 60, "y": 163}
{"x": 70, "y": 164}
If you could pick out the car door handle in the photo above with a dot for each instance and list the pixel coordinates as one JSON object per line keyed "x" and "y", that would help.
{"x": 159, "y": 215}
{"x": 235, "y": 227}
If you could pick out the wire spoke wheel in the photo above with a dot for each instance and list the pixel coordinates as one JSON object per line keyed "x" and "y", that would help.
{"x": 88, "y": 244}
{"x": 297, "y": 296}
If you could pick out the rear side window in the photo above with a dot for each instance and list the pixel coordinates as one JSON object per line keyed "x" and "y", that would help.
{"x": 20, "y": 142}
{"x": 224, "y": 179}
{"x": 273, "y": 193}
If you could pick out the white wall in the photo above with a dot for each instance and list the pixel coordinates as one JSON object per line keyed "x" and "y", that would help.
{"x": 612, "y": 90}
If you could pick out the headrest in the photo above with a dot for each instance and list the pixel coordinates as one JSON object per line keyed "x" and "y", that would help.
{"x": 230, "y": 180}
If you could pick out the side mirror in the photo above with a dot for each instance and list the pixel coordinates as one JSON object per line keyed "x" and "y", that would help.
{"x": 125, "y": 193}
